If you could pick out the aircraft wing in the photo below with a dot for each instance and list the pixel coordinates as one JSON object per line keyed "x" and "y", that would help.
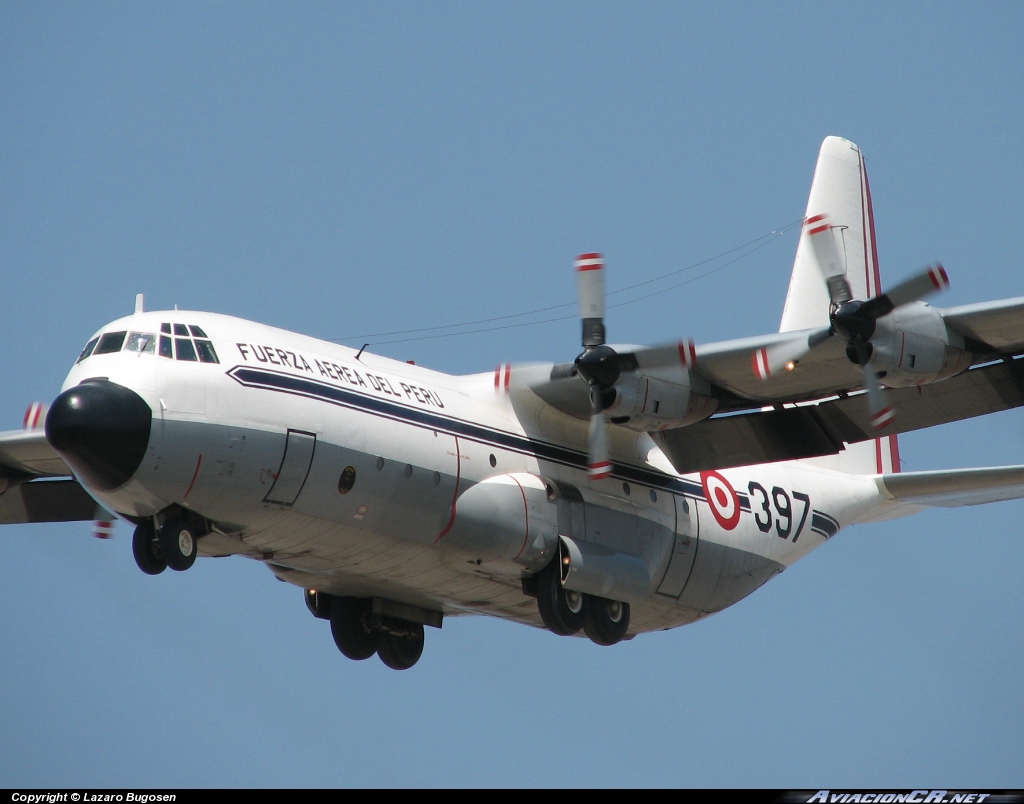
{"x": 822, "y": 428}
{"x": 27, "y": 494}
{"x": 997, "y": 324}
{"x": 28, "y": 452}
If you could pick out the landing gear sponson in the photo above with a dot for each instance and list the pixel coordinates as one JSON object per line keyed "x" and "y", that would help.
{"x": 364, "y": 626}
{"x": 565, "y": 612}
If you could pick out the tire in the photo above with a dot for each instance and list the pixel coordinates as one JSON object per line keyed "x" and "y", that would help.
{"x": 179, "y": 543}
{"x": 605, "y": 621}
{"x": 401, "y": 651}
{"x": 561, "y": 610}
{"x": 349, "y": 629}
{"x": 147, "y": 551}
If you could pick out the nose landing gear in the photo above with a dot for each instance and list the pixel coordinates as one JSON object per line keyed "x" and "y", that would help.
{"x": 175, "y": 544}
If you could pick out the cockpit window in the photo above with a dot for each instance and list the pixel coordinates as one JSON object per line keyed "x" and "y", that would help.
{"x": 141, "y": 342}
{"x": 206, "y": 353}
{"x": 87, "y": 350}
{"x": 110, "y": 342}
{"x": 190, "y": 343}
{"x": 184, "y": 350}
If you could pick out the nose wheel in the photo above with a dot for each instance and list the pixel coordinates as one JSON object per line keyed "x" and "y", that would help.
{"x": 179, "y": 543}
{"x": 149, "y": 555}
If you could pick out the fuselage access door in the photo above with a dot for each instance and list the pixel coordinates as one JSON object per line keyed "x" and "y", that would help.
{"x": 294, "y": 469}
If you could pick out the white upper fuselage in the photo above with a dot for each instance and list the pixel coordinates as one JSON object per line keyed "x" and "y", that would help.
{"x": 343, "y": 473}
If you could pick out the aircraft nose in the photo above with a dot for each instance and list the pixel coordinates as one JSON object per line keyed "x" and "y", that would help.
{"x": 102, "y": 430}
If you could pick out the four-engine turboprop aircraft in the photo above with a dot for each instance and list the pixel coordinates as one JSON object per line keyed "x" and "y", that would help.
{"x": 634, "y": 489}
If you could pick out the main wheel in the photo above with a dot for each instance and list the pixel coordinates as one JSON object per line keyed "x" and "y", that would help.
{"x": 605, "y": 621}
{"x": 349, "y": 627}
{"x": 178, "y": 541}
{"x": 401, "y": 651}
{"x": 146, "y": 549}
{"x": 561, "y": 609}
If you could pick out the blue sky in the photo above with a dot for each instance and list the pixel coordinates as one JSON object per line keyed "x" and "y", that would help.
{"x": 341, "y": 169}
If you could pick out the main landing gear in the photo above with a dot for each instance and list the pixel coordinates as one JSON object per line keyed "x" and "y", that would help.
{"x": 174, "y": 545}
{"x": 566, "y": 612}
{"x": 359, "y": 632}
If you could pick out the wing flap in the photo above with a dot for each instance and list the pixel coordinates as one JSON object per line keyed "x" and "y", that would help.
{"x": 46, "y": 501}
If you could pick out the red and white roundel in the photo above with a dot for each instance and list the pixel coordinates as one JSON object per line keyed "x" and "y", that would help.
{"x": 722, "y": 499}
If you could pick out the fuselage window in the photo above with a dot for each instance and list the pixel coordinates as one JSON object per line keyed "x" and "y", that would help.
{"x": 87, "y": 350}
{"x": 141, "y": 342}
{"x": 111, "y": 342}
{"x": 181, "y": 329}
{"x": 165, "y": 347}
{"x": 205, "y": 349}
{"x": 184, "y": 349}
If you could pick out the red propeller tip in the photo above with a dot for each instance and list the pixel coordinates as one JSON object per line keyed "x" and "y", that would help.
{"x": 938, "y": 276}
{"x": 883, "y": 418}
{"x": 590, "y": 262}
{"x": 598, "y": 471}
{"x": 33, "y": 416}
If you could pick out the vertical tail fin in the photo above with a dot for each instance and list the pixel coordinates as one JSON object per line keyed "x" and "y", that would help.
{"x": 840, "y": 195}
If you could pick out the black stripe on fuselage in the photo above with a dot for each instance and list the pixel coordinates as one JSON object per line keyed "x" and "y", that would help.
{"x": 824, "y": 525}
{"x": 271, "y": 380}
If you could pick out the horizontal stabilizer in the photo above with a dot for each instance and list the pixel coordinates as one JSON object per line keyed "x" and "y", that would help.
{"x": 952, "y": 488}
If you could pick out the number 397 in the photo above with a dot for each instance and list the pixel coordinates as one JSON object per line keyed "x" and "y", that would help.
{"x": 777, "y": 509}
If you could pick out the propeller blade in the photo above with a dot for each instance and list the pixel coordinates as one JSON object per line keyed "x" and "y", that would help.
{"x": 931, "y": 280}
{"x": 598, "y": 464}
{"x": 590, "y": 276}
{"x": 779, "y": 357}
{"x": 830, "y": 258}
{"x": 882, "y": 413}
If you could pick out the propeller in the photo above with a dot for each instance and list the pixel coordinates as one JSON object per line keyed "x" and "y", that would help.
{"x": 850, "y": 319}
{"x": 598, "y": 364}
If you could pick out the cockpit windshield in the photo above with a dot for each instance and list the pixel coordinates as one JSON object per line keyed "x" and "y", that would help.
{"x": 190, "y": 343}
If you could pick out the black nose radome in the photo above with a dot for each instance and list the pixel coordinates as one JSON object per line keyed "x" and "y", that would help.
{"x": 102, "y": 430}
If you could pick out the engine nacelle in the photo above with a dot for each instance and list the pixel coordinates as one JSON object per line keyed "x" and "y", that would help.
{"x": 662, "y": 400}
{"x": 505, "y": 524}
{"x": 913, "y": 346}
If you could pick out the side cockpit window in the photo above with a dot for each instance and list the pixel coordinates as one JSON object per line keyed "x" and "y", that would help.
{"x": 189, "y": 343}
{"x": 88, "y": 349}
